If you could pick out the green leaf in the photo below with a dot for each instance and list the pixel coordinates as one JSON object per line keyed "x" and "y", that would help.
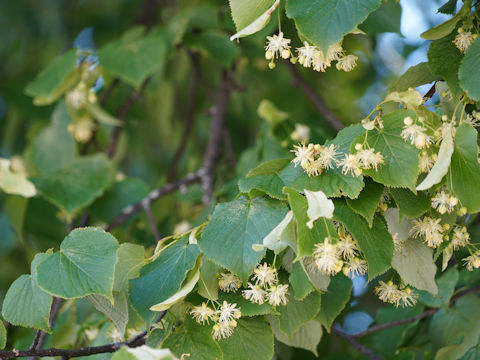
{"x": 14, "y": 183}
{"x": 26, "y": 304}
{"x": 417, "y": 75}
{"x": 130, "y": 261}
{"x": 375, "y": 242}
{"x": 244, "y": 12}
{"x": 447, "y": 27}
{"x": 84, "y": 265}
{"x": 446, "y": 286}
{"x": 59, "y": 75}
{"x": 410, "y": 204}
{"x": 449, "y": 7}
{"x": 248, "y": 308}
{"x": 326, "y": 22}
{"x": 54, "y": 147}
{"x": 414, "y": 259}
{"x": 135, "y": 55}
{"x": 319, "y": 281}
{"x": 163, "y": 277}
{"x": 76, "y": 186}
{"x": 367, "y": 202}
{"x": 297, "y": 313}
{"x": 3, "y": 335}
{"x": 268, "y": 167}
{"x": 465, "y": 167}
{"x": 401, "y": 158}
{"x": 473, "y": 353}
{"x": 208, "y": 283}
{"x": 388, "y": 340}
{"x": 307, "y": 336}
{"x": 306, "y": 237}
{"x": 214, "y": 44}
{"x": 195, "y": 340}
{"x": 334, "y": 300}
{"x": 461, "y": 320}
{"x": 143, "y": 352}
{"x": 236, "y": 226}
{"x": 385, "y": 19}
{"x": 282, "y": 236}
{"x": 300, "y": 282}
{"x": 252, "y": 336}
{"x": 274, "y": 117}
{"x": 444, "y": 60}
{"x": 116, "y": 312}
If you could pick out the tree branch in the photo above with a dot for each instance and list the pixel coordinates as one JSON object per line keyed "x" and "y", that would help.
{"x": 351, "y": 339}
{"x": 151, "y": 220}
{"x": 430, "y": 92}
{"x": 122, "y": 116}
{"x": 152, "y": 196}
{"x": 413, "y": 319}
{"x": 215, "y": 141}
{"x": 319, "y": 103}
{"x": 189, "y": 115}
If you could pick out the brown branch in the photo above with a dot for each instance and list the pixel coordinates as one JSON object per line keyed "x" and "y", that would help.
{"x": 152, "y": 196}
{"x": 351, "y": 339}
{"x": 189, "y": 116}
{"x": 212, "y": 153}
{"x": 430, "y": 92}
{"x": 151, "y": 220}
{"x": 319, "y": 103}
{"x": 41, "y": 336}
{"x": 413, "y": 319}
{"x": 122, "y": 116}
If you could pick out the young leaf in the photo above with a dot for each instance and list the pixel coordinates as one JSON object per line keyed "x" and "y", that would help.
{"x": 334, "y": 300}
{"x": 318, "y": 206}
{"x": 367, "y": 202}
{"x": 56, "y": 78}
{"x": 236, "y": 226}
{"x": 208, "y": 283}
{"x": 163, "y": 277}
{"x": 306, "y": 237}
{"x": 447, "y": 27}
{"x": 326, "y": 22}
{"x": 251, "y": 16}
{"x": 76, "y": 186}
{"x": 464, "y": 174}
{"x": 130, "y": 261}
{"x": 135, "y": 55}
{"x": 306, "y": 337}
{"x": 282, "y": 236}
{"x": 194, "y": 339}
{"x": 417, "y": 75}
{"x": 84, "y": 265}
{"x": 376, "y": 242}
{"x": 116, "y": 312}
{"x": 300, "y": 282}
{"x": 251, "y": 337}
{"x": 401, "y": 158}
{"x": 297, "y": 313}
{"x": 440, "y": 168}
{"x": 14, "y": 183}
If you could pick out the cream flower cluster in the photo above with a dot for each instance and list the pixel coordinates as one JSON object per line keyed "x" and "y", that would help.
{"x": 430, "y": 230}
{"x": 225, "y": 317}
{"x": 464, "y": 39}
{"x": 308, "y": 55}
{"x": 265, "y": 287}
{"x": 393, "y": 294}
{"x": 415, "y": 133}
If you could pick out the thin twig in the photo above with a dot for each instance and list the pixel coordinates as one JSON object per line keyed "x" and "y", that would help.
{"x": 189, "y": 116}
{"x": 151, "y": 220}
{"x": 314, "y": 98}
{"x": 152, "y": 196}
{"x": 122, "y": 116}
{"x": 430, "y": 92}
{"x": 360, "y": 347}
{"x": 215, "y": 141}
{"x": 413, "y": 319}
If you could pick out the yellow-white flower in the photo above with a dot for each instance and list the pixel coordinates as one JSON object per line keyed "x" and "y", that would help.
{"x": 301, "y": 133}
{"x": 335, "y": 52}
{"x": 265, "y": 275}
{"x": 460, "y": 237}
{"x": 77, "y": 98}
{"x": 277, "y": 46}
{"x": 229, "y": 282}
{"x": 327, "y": 155}
{"x": 355, "y": 267}
{"x": 306, "y": 54}
{"x": 347, "y": 63}
{"x": 430, "y": 229}
{"x": 351, "y": 164}
{"x": 387, "y": 292}
{"x": 303, "y": 155}
{"x": 202, "y": 313}
{"x": 255, "y": 294}
{"x": 327, "y": 258}
{"x": 320, "y": 62}
{"x": 406, "y": 297}
{"x": 368, "y": 158}
{"x": 463, "y": 40}
{"x": 228, "y": 312}
{"x": 472, "y": 261}
{"x": 444, "y": 202}
{"x": 426, "y": 162}
{"x": 277, "y": 295}
{"x": 222, "y": 330}
{"x": 347, "y": 247}
{"x": 415, "y": 134}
